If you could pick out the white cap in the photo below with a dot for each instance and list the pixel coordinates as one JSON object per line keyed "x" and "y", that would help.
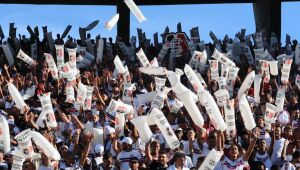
{"x": 127, "y": 140}
{"x": 109, "y": 130}
{"x": 284, "y": 117}
{"x": 99, "y": 149}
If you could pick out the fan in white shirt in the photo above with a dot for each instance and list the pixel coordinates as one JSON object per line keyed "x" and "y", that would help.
{"x": 233, "y": 161}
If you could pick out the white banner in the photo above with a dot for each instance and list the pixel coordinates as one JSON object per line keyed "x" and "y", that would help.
{"x": 285, "y": 71}
{"x": 159, "y": 71}
{"x": 160, "y": 120}
{"x": 51, "y": 65}
{"x": 45, "y": 146}
{"x": 88, "y": 100}
{"x": 223, "y": 59}
{"x": 246, "y": 84}
{"x": 141, "y": 124}
{"x": 159, "y": 83}
{"x": 18, "y": 161}
{"x": 112, "y": 22}
{"x": 164, "y": 50}
{"x": 48, "y": 113}
{"x": 21, "y": 55}
{"x": 257, "y": 83}
{"x": 15, "y": 94}
{"x": 119, "y": 107}
{"x": 190, "y": 74}
{"x": 222, "y": 96}
{"x": 24, "y": 143}
{"x": 211, "y": 160}
{"x": 246, "y": 113}
{"x": 135, "y": 10}
{"x": 119, "y": 65}
{"x": 213, "y": 111}
{"x": 143, "y": 58}
{"x": 271, "y": 111}
{"x": 72, "y": 58}
{"x": 279, "y": 102}
{"x": 70, "y": 95}
{"x": 214, "y": 69}
{"x": 4, "y": 135}
{"x": 81, "y": 94}
{"x": 230, "y": 117}
{"x": 120, "y": 123}
{"x": 60, "y": 55}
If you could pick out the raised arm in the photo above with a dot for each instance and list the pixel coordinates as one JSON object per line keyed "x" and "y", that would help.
{"x": 251, "y": 146}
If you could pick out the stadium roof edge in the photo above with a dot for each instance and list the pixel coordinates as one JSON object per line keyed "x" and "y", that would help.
{"x": 114, "y": 2}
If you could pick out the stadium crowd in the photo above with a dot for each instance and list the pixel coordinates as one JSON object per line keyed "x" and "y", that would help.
{"x": 96, "y": 105}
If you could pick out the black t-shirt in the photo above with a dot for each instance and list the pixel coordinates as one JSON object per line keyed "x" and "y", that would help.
{"x": 156, "y": 166}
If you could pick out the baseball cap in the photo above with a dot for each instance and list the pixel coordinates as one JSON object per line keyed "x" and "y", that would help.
{"x": 127, "y": 140}
{"x": 99, "y": 149}
{"x": 109, "y": 130}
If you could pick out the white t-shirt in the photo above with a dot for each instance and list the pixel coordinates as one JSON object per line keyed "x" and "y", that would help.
{"x": 172, "y": 167}
{"x": 228, "y": 164}
{"x": 288, "y": 166}
{"x": 277, "y": 150}
{"x": 265, "y": 158}
{"x": 124, "y": 158}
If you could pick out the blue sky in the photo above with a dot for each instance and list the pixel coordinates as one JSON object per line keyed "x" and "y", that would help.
{"x": 221, "y": 19}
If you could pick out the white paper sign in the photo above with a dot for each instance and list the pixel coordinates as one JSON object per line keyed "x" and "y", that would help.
{"x": 213, "y": 111}
{"x": 285, "y": 71}
{"x": 81, "y": 94}
{"x": 190, "y": 74}
{"x": 51, "y": 65}
{"x": 17, "y": 163}
{"x": 119, "y": 65}
{"x": 24, "y": 143}
{"x": 112, "y": 22}
{"x": 257, "y": 83}
{"x": 120, "y": 123}
{"x": 88, "y": 99}
{"x": 143, "y": 58}
{"x": 222, "y": 96}
{"x": 223, "y": 59}
{"x": 60, "y": 55}
{"x": 135, "y": 10}
{"x": 246, "y": 84}
{"x": 160, "y": 120}
{"x": 141, "y": 124}
{"x": 48, "y": 113}
{"x": 159, "y": 83}
{"x": 15, "y": 94}
{"x": 211, "y": 160}
{"x": 21, "y": 55}
{"x": 279, "y": 102}
{"x": 271, "y": 111}
{"x": 230, "y": 117}
{"x": 4, "y": 135}
{"x": 159, "y": 71}
{"x": 164, "y": 50}
{"x": 214, "y": 69}
{"x": 72, "y": 58}
{"x": 70, "y": 93}
{"x": 45, "y": 146}
{"x": 246, "y": 113}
